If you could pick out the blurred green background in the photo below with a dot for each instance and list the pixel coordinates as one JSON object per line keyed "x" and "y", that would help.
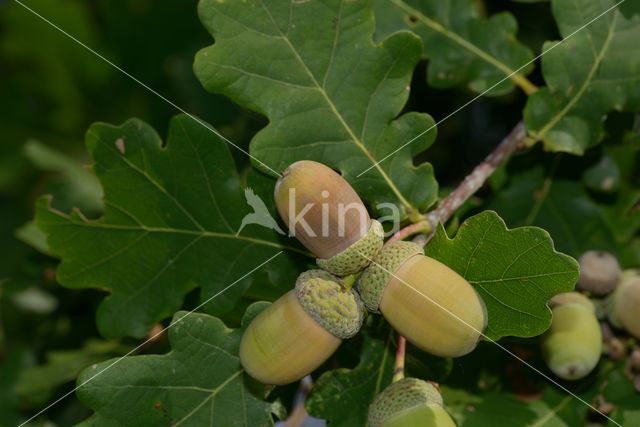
{"x": 51, "y": 90}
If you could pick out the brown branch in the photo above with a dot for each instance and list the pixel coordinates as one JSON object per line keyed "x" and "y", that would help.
{"x": 476, "y": 179}
{"x": 410, "y": 230}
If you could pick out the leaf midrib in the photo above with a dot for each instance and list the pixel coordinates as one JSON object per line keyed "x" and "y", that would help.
{"x": 514, "y": 75}
{"x": 213, "y": 394}
{"x": 334, "y": 109}
{"x": 83, "y": 222}
{"x": 585, "y": 85}
{"x": 552, "y": 412}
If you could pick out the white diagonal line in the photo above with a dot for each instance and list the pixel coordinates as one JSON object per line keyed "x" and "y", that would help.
{"x": 149, "y": 339}
{"x": 147, "y": 87}
{"x": 491, "y": 340}
{"x": 491, "y": 88}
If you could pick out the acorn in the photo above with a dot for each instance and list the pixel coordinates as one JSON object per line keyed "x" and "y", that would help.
{"x": 624, "y": 303}
{"x": 431, "y": 305}
{"x": 572, "y": 345}
{"x": 301, "y": 330}
{"x": 599, "y": 272}
{"x": 328, "y": 217}
{"x": 409, "y": 402}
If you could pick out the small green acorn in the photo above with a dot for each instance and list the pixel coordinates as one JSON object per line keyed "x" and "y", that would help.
{"x": 301, "y": 330}
{"x": 624, "y": 303}
{"x": 409, "y": 402}
{"x": 328, "y": 217}
{"x": 573, "y": 344}
{"x": 431, "y": 305}
{"x": 599, "y": 272}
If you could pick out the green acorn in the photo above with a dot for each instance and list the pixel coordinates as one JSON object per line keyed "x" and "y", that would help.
{"x": 573, "y": 344}
{"x": 624, "y": 303}
{"x": 431, "y": 305}
{"x": 409, "y": 402}
{"x": 328, "y": 217}
{"x": 301, "y": 330}
{"x": 599, "y": 272}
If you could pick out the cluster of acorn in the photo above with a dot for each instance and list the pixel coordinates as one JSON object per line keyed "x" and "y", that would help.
{"x": 424, "y": 300}
{"x": 431, "y": 305}
{"x": 572, "y": 347}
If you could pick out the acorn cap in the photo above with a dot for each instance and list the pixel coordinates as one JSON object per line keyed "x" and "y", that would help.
{"x": 401, "y": 396}
{"x": 375, "y": 278}
{"x": 323, "y": 297}
{"x": 358, "y": 255}
{"x": 599, "y": 272}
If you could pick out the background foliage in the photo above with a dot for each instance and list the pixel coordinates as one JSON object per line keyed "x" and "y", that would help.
{"x": 154, "y": 200}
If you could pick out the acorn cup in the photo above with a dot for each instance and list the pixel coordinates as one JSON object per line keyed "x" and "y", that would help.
{"x": 301, "y": 330}
{"x": 328, "y": 217}
{"x": 572, "y": 345}
{"x": 431, "y": 305}
{"x": 623, "y": 305}
{"x": 599, "y": 272}
{"x": 409, "y": 402}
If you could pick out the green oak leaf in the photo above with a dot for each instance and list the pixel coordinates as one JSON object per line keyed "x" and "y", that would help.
{"x": 506, "y": 409}
{"x": 515, "y": 271}
{"x": 170, "y": 224}
{"x": 75, "y": 186}
{"x": 62, "y": 366}
{"x": 560, "y": 206}
{"x": 577, "y": 221}
{"x": 620, "y": 391}
{"x": 462, "y": 46}
{"x": 593, "y": 72}
{"x": 329, "y": 93}
{"x": 199, "y": 382}
{"x": 342, "y": 396}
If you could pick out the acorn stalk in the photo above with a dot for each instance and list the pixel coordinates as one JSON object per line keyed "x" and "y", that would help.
{"x": 328, "y": 217}
{"x": 301, "y": 330}
{"x": 573, "y": 344}
{"x": 409, "y": 402}
{"x": 431, "y": 305}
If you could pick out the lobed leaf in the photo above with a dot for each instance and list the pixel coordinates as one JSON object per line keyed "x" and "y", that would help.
{"x": 515, "y": 271}
{"x": 329, "y": 93}
{"x": 199, "y": 383}
{"x": 596, "y": 70}
{"x": 462, "y": 47}
{"x": 503, "y": 408}
{"x": 577, "y": 219}
{"x": 171, "y": 219}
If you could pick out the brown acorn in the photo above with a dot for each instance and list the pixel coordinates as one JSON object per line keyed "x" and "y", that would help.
{"x": 301, "y": 330}
{"x": 599, "y": 272}
{"x": 328, "y": 217}
{"x": 431, "y": 305}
